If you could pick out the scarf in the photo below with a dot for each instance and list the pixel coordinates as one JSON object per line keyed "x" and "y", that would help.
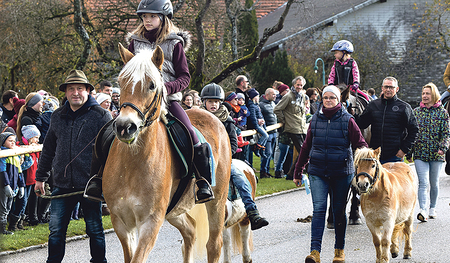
{"x": 222, "y": 113}
{"x": 236, "y": 108}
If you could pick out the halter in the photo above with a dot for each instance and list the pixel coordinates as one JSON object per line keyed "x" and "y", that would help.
{"x": 377, "y": 171}
{"x": 153, "y": 107}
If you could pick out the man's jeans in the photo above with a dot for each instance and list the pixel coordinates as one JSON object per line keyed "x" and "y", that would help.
{"x": 61, "y": 210}
{"x": 284, "y": 148}
{"x": 428, "y": 174}
{"x": 267, "y": 153}
{"x": 244, "y": 189}
{"x": 339, "y": 187}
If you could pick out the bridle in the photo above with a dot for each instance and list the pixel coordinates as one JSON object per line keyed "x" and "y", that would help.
{"x": 377, "y": 171}
{"x": 152, "y": 108}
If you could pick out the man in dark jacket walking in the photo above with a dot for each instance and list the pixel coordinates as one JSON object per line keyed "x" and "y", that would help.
{"x": 266, "y": 104}
{"x": 394, "y": 126}
{"x": 68, "y": 150}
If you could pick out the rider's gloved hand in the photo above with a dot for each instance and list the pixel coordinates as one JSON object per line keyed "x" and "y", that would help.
{"x": 354, "y": 87}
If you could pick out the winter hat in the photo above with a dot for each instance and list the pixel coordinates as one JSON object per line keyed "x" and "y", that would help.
{"x": 252, "y": 93}
{"x": 101, "y": 97}
{"x": 50, "y": 104}
{"x": 18, "y": 104}
{"x": 30, "y": 131}
{"x": 334, "y": 90}
{"x": 4, "y": 136}
{"x": 116, "y": 90}
{"x": 282, "y": 88}
{"x": 231, "y": 96}
{"x": 43, "y": 93}
{"x": 240, "y": 96}
{"x": 34, "y": 100}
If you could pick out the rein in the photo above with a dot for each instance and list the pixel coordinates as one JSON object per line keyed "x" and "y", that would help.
{"x": 153, "y": 107}
{"x": 377, "y": 171}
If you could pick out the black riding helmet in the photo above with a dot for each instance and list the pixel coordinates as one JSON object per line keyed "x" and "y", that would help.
{"x": 163, "y": 7}
{"x": 212, "y": 91}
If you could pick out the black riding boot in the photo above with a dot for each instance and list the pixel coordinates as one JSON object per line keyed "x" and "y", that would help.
{"x": 203, "y": 175}
{"x": 256, "y": 221}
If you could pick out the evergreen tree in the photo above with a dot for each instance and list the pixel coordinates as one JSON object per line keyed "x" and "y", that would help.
{"x": 248, "y": 29}
{"x": 271, "y": 69}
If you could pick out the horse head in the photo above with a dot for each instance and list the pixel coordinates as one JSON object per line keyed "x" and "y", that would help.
{"x": 367, "y": 166}
{"x": 142, "y": 92}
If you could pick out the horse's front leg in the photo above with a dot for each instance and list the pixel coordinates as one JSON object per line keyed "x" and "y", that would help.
{"x": 376, "y": 242}
{"x": 246, "y": 238}
{"x": 147, "y": 232}
{"x": 186, "y": 225}
{"x": 388, "y": 228}
{"x": 126, "y": 236}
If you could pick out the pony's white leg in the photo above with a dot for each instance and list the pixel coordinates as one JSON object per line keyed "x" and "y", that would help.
{"x": 407, "y": 231}
{"x": 226, "y": 245}
{"x": 186, "y": 225}
{"x": 246, "y": 238}
{"x": 127, "y": 238}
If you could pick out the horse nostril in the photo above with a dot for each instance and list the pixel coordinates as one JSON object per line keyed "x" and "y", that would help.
{"x": 131, "y": 128}
{"x": 367, "y": 185}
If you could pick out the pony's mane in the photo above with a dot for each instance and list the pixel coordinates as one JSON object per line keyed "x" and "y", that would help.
{"x": 141, "y": 68}
{"x": 363, "y": 153}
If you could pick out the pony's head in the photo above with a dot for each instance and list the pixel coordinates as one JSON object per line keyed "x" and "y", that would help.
{"x": 367, "y": 167}
{"x": 142, "y": 92}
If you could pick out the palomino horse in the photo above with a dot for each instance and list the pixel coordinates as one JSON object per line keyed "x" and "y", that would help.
{"x": 142, "y": 171}
{"x": 388, "y": 197}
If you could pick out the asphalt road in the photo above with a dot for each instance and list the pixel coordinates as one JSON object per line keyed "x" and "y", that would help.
{"x": 285, "y": 239}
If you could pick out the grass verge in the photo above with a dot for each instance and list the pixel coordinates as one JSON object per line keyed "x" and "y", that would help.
{"x": 36, "y": 235}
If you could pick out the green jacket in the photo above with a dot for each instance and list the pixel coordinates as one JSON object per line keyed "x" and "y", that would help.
{"x": 292, "y": 113}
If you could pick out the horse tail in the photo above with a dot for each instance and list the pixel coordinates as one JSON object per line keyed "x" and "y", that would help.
{"x": 200, "y": 216}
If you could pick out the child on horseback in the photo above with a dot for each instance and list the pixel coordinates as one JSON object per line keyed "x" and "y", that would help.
{"x": 345, "y": 70}
{"x": 157, "y": 28}
{"x": 213, "y": 96}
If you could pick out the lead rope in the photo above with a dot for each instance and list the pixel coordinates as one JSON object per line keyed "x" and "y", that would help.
{"x": 47, "y": 192}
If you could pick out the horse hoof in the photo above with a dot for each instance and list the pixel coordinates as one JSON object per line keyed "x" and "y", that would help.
{"x": 406, "y": 256}
{"x": 394, "y": 255}
{"x": 355, "y": 222}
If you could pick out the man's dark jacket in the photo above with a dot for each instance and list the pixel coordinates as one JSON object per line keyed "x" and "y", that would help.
{"x": 394, "y": 125}
{"x": 267, "y": 111}
{"x": 68, "y": 144}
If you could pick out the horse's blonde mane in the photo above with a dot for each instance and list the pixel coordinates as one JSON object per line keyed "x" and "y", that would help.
{"x": 140, "y": 69}
{"x": 363, "y": 153}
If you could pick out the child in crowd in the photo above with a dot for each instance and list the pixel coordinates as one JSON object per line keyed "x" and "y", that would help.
{"x": 231, "y": 102}
{"x": 241, "y": 121}
{"x": 30, "y": 136}
{"x": 212, "y": 96}
{"x": 256, "y": 121}
{"x": 345, "y": 70}
{"x": 12, "y": 183}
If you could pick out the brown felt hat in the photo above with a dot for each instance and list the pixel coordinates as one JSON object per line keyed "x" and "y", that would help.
{"x": 76, "y": 77}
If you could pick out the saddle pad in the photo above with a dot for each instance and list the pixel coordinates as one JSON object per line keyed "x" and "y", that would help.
{"x": 182, "y": 142}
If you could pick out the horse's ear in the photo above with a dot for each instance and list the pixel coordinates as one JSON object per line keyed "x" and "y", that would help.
{"x": 158, "y": 57}
{"x": 125, "y": 54}
{"x": 377, "y": 152}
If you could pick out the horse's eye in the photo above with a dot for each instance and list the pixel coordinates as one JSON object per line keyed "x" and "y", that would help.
{"x": 373, "y": 165}
{"x": 152, "y": 86}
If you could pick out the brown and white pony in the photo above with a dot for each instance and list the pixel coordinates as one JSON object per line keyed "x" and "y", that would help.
{"x": 388, "y": 197}
{"x": 142, "y": 171}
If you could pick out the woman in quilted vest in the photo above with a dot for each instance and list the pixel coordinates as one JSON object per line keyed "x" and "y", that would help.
{"x": 331, "y": 135}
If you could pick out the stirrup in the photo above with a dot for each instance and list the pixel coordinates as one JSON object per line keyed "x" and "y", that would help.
{"x": 204, "y": 200}
{"x": 92, "y": 191}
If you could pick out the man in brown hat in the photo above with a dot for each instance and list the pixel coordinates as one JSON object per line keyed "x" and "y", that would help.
{"x": 68, "y": 149}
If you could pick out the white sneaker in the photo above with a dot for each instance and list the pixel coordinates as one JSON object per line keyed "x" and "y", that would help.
{"x": 433, "y": 213}
{"x": 422, "y": 215}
